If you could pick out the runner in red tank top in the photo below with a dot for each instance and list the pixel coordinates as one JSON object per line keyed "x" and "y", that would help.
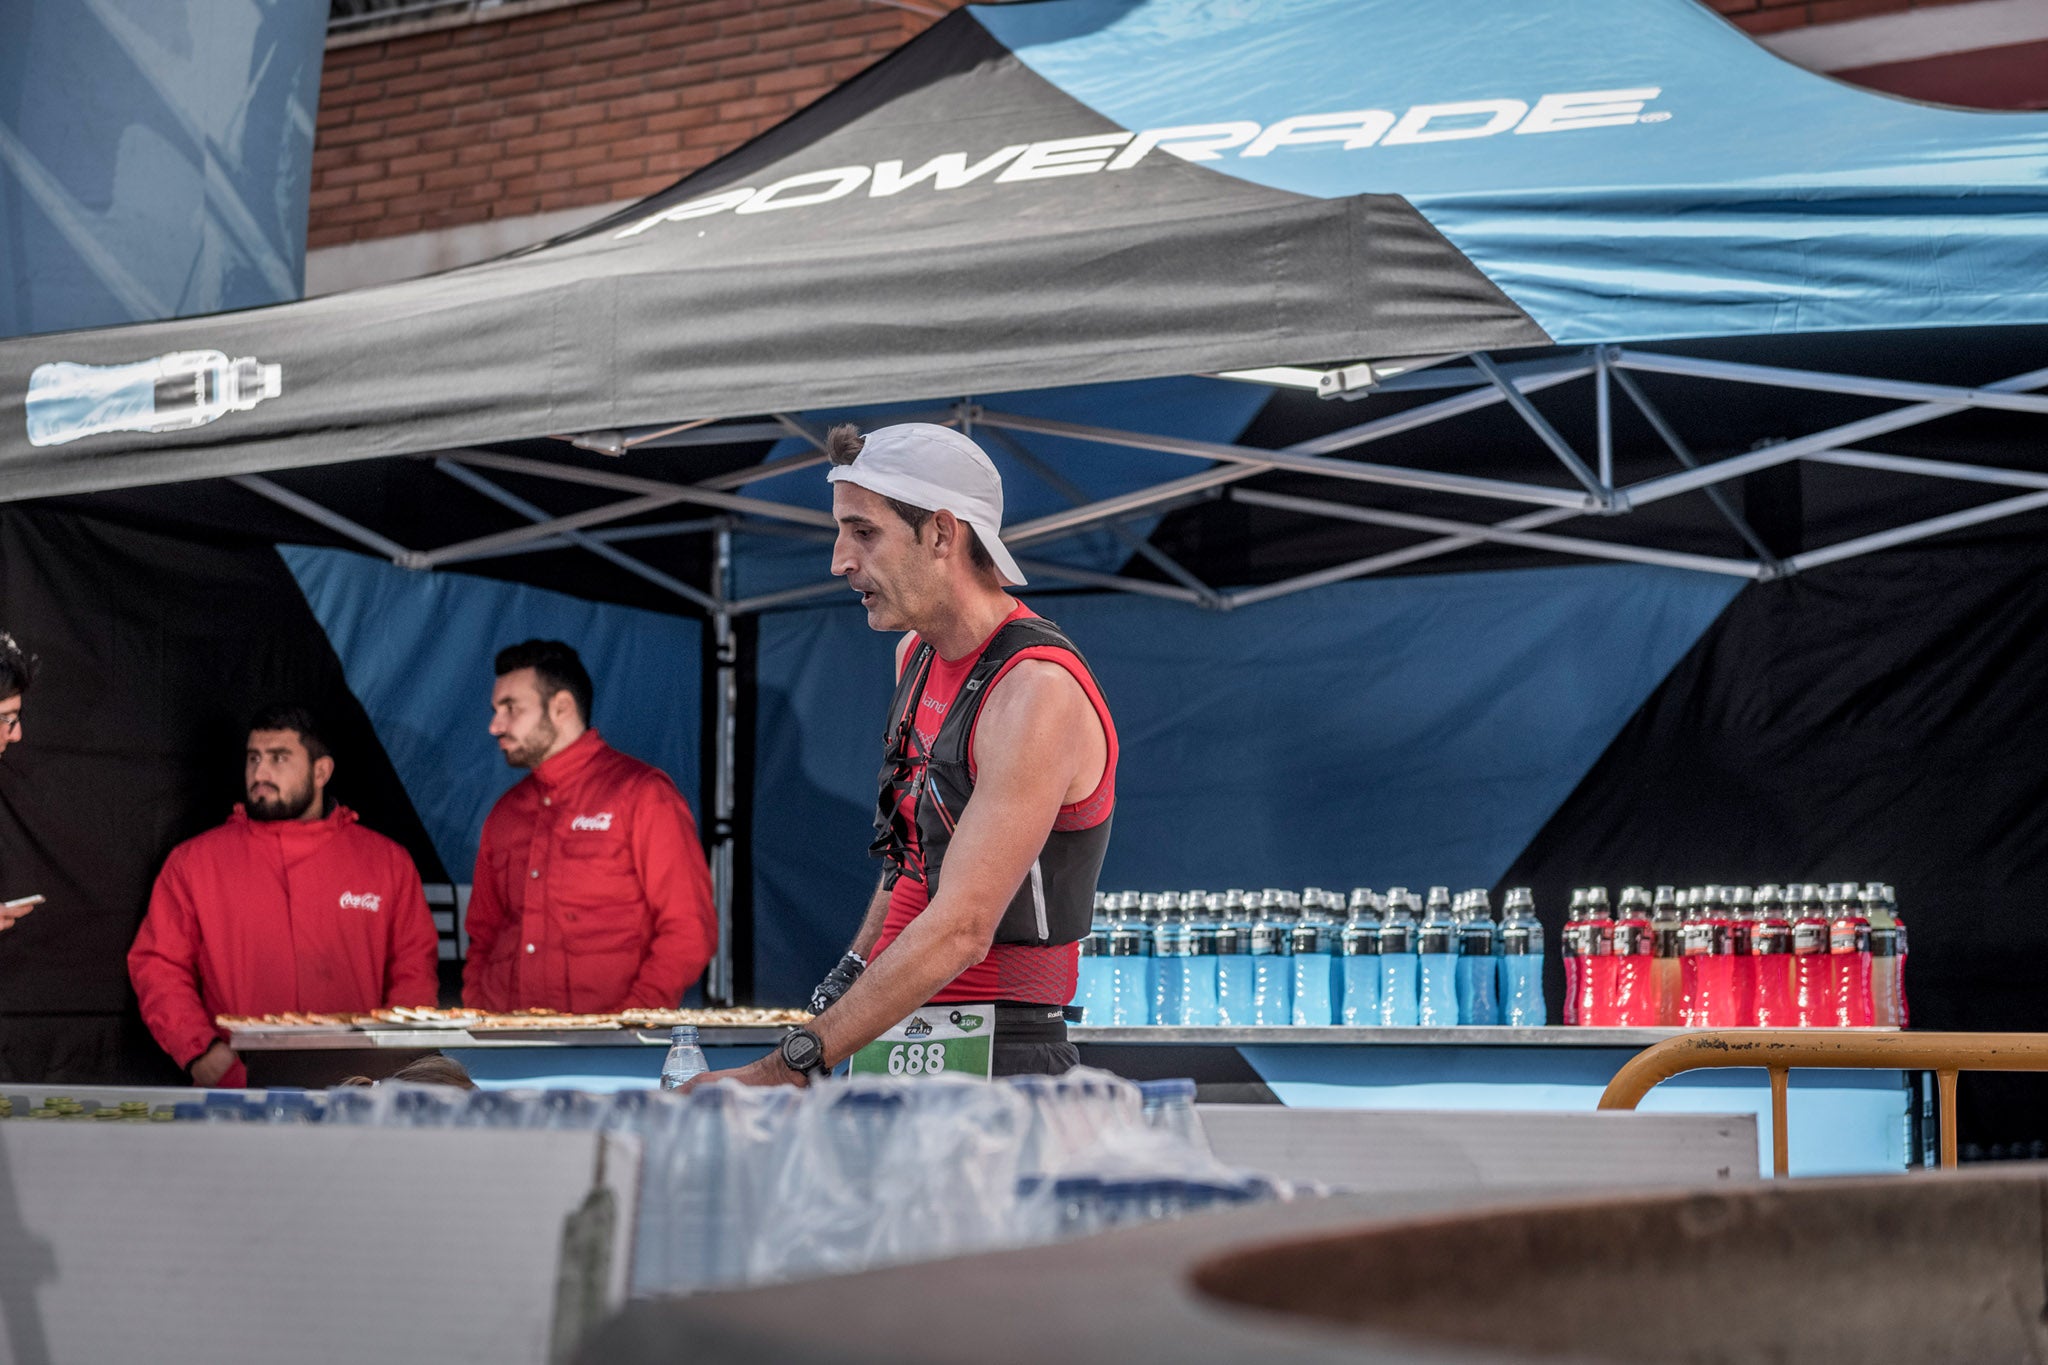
{"x": 919, "y": 509}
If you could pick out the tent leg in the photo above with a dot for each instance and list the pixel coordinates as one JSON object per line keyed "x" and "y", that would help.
{"x": 718, "y": 984}
{"x": 1773, "y": 566}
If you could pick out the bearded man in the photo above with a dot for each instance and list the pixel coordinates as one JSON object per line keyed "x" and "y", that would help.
{"x": 591, "y": 893}
{"x": 291, "y": 906}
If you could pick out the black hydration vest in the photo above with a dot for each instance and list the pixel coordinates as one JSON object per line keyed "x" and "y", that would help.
{"x": 1056, "y": 901}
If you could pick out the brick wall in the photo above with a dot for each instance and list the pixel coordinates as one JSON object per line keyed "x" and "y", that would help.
{"x": 1775, "y": 16}
{"x": 569, "y": 106}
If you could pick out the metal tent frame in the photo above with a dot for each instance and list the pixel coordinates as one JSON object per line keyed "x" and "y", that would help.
{"x": 1479, "y": 381}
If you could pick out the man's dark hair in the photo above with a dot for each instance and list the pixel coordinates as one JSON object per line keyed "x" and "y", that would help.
{"x": 843, "y": 445}
{"x": 295, "y": 718}
{"x": 555, "y": 665}
{"x": 17, "y": 667}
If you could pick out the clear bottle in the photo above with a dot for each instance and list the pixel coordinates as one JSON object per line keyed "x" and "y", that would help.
{"x": 1741, "y": 921}
{"x": 1272, "y": 964}
{"x": 1358, "y": 950}
{"x": 1170, "y": 944}
{"x": 1436, "y": 946}
{"x": 1234, "y": 962}
{"x": 1521, "y": 963}
{"x": 1571, "y": 943}
{"x": 1198, "y": 980}
{"x": 1664, "y": 947}
{"x": 1478, "y": 966}
{"x": 1813, "y": 1003}
{"x": 685, "y": 1059}
{"x": 1887, "y": 956}
{"x": 1315, "y": 964}
{"x": 1770, "y": 953}
{"x": 1635, "y": 961}
{"x": 1399, "y": 969}
{"x": 1130, "y": 973}
{"x": 1849, "y": 957}
{"x": 1092, "y": 990}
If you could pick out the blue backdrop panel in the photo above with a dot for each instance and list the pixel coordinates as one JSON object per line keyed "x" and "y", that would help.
{"x": 1705, "y": 188}
{"x": 155, "y": 157}
{"x": 1412, "y": 731}
{"x": 417, "y": 649}
{"x": 1187, "y": 406}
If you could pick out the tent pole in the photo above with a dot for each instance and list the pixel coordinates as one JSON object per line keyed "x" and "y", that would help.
{"x": 1773, "y": 566}
{"x": 1672, "y": 485}
{"x": 725, "y": 700}
{"x": 1571, "y": 545}
{"x": 1065, "y": 573}
{"x": 333, "y": 521}
{"x": 582, "y": 539}
{"x": 630, "y": 483}
{"x": 1535, "y": 421}
{"x": 1933, "y": 469}
{"x": 1129, "y": 539}
{"x": 1912, "y": 391}
{"x": 1392, "y": 559}
{"x": 1919, "y": 530}
{"x": 1603, "y": 417}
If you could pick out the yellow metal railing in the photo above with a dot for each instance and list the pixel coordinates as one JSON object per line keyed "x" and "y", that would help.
{"x": 1779, "y": 1050}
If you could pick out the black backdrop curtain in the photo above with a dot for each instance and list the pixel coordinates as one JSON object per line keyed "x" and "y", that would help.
{"x": 155, "y": 652}
{"x": 1880, "y": 719}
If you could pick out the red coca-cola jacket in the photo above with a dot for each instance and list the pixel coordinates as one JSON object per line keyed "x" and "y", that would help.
{"x": 269, "y": 916}
{"x": 591, "y": 892}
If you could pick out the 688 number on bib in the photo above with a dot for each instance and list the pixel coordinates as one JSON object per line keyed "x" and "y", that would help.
{"x": 938, "y": 1040}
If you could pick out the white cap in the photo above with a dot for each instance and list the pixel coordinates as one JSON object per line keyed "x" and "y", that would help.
{"x": 940, "y": 470}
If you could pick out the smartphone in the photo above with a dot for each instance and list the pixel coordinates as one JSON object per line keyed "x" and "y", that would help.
{"x": 25, "y": 903}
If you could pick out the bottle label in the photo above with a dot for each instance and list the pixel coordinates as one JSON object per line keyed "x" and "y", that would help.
{"x": 1269, "y": 940}
{"x": 1229, "y": 941}
{"x": 1696, "y": 938}
{"x": 1521, "y": 940}
{"x": 1664, "y": 940}
{"x": 1310, "y": 938}
{"x": 1842, "y": 938}
{"x": 1435, "y": 939}
{"x": 1202, "y": 940}
{"x": 1573, "y": 939}
{"x": 1476, "y": 940}
{"x": 1396, "y": 938}
{"x": 1770, "y": 939}
{"x": 1631, "y": 939}
{"x": 1809, "y": 936}
{"x": 1884, "y": 941}
{"x": 1130, "y": 942}
{"x": 1363, "y": 941}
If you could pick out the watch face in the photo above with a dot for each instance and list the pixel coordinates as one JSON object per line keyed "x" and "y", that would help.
{"x": 802, "y": 1051}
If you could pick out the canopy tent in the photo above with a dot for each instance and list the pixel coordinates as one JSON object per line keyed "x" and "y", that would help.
{"x": 1629, "y": 197}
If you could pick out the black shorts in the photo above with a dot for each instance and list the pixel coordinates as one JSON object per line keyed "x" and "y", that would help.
{"x": 1031, "y": 1040}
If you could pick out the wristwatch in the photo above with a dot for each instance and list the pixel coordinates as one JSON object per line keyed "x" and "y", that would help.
{"x": 803, "y": 1052}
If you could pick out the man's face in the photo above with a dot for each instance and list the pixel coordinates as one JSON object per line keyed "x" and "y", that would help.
{"x": 520, "y": 720}
{"x": 10, "y": 721}
{"x": 281, "y": 781}
{"x": 882, "y": 559}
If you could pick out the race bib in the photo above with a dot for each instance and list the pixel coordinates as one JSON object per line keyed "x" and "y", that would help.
{"x": 938, "y": 1040}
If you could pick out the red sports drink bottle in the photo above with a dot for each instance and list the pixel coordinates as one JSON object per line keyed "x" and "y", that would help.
{"x": 1813, "y": 1003}
{"x": 1635, "y": 962}
{"x": 1848, "y": 958}
{"x": 1770, "y": 952}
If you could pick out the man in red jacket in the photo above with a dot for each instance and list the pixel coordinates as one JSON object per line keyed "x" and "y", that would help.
{"x": 288, "y": 907}
{"x": 591, "y": 894}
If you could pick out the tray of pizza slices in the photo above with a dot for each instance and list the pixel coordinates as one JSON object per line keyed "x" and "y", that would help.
{"x": 517, "y": 1021}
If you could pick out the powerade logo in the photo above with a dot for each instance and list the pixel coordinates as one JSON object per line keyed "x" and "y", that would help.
{"x": 1351, "y": 130}
{"x": 361, "y": 900}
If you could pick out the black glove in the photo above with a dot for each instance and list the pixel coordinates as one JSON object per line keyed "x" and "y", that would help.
{"x": 837, "y": 981}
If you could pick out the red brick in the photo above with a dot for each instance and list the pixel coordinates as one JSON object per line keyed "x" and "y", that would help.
{"x": 635, "y": 106}
{"x": 796, "y": 35}
{"x": 712, "y": 92}
{"x": 606, "y": 173}
{"x": 667, "y": 22}
{"x": 505, "y": 47}
{"x": 394, "y": 227}
{"x": 610, "y": 131}
{"x": 421, "y": 161}
{"x": 761, "y": 107}
{"x": 1733, "y": 6}
{"x": 751, "y": 63}
{"x": 386, "y": 108}
{"x": 447, "y": 57}
{"x": 615, "y": 9}
{"x": 637, "y": 147}
{"x": 540, "y": 101}
{"x": 1771, "y": 21}
{"x": 448, "y": 218}
{"x": 452, "y": 96}
{"x": 572, "y": 199}
{"x": 349, "y": 96}
{"x": 572, "y": 116}
{"x": 677, "y": 163}
{"x": 1837, "y": 11}
{"x": 418, "y": 123}
{"x": 611, "y": 89}
{"x": 555, "y": 141}
{"x": 540, "y": 183}
{"x": 659, "y": 59}
{"x": 522, "y": 84}
{"x": 353, "y": 213}
{"x": 455, "y": 177}
{"x": 720, "y": 49}
{"x": 353, "y": 134}
{"x": 680, "y": 119}
{"x": 417, "y": 203}
{"x": 335, "y": 197}
{"x": 570, "y": 158}
{"x": 354, "y": 175}
{"x": 387, "y": 147}
{"x": 457, "y": 140}
{"x": 642, "y": 187}
{"x": 377, "y": 71}
{"x": 832, "y": 50}
{"x": 388, "y": 188}
{"x": 788, "y": 82}
{"x": 512, "y": 126}
{"x": 517, "y": 207}
{"x": 322, "y": 236}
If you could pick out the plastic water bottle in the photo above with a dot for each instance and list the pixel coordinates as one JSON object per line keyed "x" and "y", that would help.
{"x": 1478, "y": 972}
{"x": 1358, "y": 956}
{"x": 1664, "y": 947}
{"x": 1315, "y": 968}
{"x": 1770, "y": 956}
{"x": 1399, "y": 1005}
{"x": 1849, "y": 957}
{"x": 1234, "y": 963}
{"x": 1813, "y": 1005}
{"x": 1521, "y": 963}
{"x": 1092, "y": 991}
{"x": 1635, "y": 962}
{"x": 685, "y": 1059}
{"x": 1272, "y": 966}
{"x": 1170, "y": 947}
{"x": 1436, "y": 996}
{"x": 1887, "y": 945}
{"x": 1130, "y": 975}
{"x": 1199, "y": 1005}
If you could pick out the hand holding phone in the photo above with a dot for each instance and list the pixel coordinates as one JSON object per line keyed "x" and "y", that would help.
{"x": 10, "y": 911}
